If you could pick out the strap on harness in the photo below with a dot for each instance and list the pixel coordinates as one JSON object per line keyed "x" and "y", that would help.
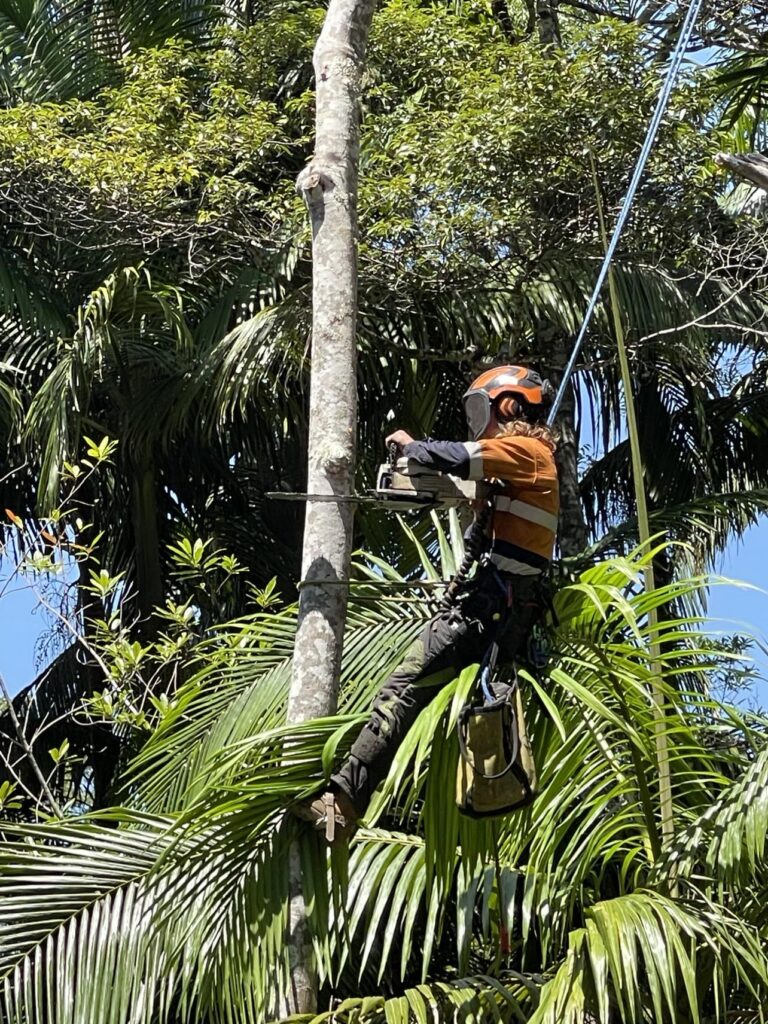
{"x": 473, "y": 548}
{"x": 330, "y": 816}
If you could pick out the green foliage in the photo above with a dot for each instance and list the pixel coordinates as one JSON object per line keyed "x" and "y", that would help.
{"x": 154, "y": 288}
{"x": 164, "y": 186}
{"x": 191, "y": 885}
{"x": 170, "y": 130}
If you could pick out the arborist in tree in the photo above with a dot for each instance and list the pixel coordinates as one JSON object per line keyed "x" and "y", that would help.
{"x": 513, "y": 450}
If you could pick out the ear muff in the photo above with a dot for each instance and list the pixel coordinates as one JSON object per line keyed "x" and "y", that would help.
{"x": 508, "y": 408}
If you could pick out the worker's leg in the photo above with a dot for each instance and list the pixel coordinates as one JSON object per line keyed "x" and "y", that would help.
{"x": 527, "y": 605}
{"x": 449, "y": 642}
{"x": 452, "y": 640}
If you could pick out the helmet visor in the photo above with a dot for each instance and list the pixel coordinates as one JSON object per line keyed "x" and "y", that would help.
{"x": 477, "y": 409}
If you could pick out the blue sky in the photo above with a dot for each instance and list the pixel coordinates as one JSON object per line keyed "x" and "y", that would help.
{"x": 738, "y": 609}
{"x": 21, "y": 623}
{"x": 735, "y": 609}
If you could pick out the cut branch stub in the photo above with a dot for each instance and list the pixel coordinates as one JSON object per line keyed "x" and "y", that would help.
{"x": 752, "y": 167}
{"x": 312, "y": 183}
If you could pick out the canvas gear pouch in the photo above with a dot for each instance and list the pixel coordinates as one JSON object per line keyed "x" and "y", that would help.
{"x": 496, "y": 771}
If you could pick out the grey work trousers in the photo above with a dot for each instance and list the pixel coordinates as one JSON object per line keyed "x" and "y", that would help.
{"x": 452, "y": 640}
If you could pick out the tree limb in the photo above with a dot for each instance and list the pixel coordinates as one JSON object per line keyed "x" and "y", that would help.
{"x": 751, "y": 166}
{"x": 26, "y": 747}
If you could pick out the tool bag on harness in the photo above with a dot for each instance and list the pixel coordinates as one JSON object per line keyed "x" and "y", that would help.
{"x": 496, "y": 771}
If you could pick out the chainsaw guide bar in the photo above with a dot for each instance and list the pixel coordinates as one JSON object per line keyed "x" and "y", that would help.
{"x": 406, "y": 484}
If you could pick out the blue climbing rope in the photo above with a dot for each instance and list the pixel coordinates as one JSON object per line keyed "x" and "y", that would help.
{"x": 661, "y": 105}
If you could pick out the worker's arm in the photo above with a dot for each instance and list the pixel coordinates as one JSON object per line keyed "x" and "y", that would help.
{"x": 445, "y": 456}
{"x": 517, "y": 460}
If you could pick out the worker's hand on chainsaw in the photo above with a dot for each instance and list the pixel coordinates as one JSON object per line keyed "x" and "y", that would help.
{"x": 400, "y": 437}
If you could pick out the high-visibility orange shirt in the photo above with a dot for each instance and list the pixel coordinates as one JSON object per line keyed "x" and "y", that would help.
{"x": 523, "y": 526}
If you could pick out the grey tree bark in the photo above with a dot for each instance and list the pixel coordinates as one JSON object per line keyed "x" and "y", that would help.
{"x": 750, "y": 166}
{"x": 329, "y": 187}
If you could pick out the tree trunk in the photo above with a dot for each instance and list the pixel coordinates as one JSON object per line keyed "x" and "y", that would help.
{"x": 572, "y": 531}
{"x": 149, "y": 579}
{"x": 549, "y": 22}
{"x": 329, "y": 187}
{"x": 500, "y": 12}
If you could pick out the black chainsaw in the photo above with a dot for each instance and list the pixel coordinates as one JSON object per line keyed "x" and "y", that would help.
{"x": 403, "y": 483}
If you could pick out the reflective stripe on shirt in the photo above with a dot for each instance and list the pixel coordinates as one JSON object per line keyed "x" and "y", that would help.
{"x": 512, "y": 552}
{"x": 475, "y": 453}
{"x": 511, "y": 565}
{"x": 527, "y": 511}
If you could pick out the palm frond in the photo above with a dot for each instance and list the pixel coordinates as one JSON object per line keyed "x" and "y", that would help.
{"x": 196, "y": 903}
{"x": 743, "y": 86}
{"x": 57, "y": 51}
{"x": 700, "y": 448}
{"x": 479, "y": 998}
{"x": 177, "y": 912}
{"x": 10, "y": 402}
{"x": 706, "y": 523}
{"x": 726, "y": 844}
{"x": 666, "y": 943}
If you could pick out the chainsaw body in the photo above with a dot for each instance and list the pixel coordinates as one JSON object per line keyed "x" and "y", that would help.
{"x": 409, "y": 484}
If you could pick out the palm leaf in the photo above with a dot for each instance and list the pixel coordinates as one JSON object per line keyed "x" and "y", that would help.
{"x": 726, "y": 843}
{"x": 57, "y": 51}
{"x": 480, "y": 998}
{"x": 648, "y": 935}
{"x": 211, "y": 881}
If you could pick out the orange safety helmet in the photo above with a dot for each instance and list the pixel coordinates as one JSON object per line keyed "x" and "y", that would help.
{"x": 517, "y": 382}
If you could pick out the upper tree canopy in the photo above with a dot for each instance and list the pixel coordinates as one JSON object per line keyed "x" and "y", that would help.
{"x": 479, "y": 237}
{"x": 154, "y": 287}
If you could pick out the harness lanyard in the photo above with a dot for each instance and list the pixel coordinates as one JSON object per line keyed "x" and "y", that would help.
{"x": 491, "y": 656}
{"x": 473, "y": 546}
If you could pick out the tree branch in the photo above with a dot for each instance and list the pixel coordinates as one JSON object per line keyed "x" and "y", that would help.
{"x": 25, "y": 745}
{"x": 751, "y": 166}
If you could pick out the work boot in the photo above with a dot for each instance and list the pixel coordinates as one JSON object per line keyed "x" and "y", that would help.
{"x": 330, "y": 813}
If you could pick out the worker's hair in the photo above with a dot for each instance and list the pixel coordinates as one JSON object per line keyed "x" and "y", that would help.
{"x": 522, "y": 428}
